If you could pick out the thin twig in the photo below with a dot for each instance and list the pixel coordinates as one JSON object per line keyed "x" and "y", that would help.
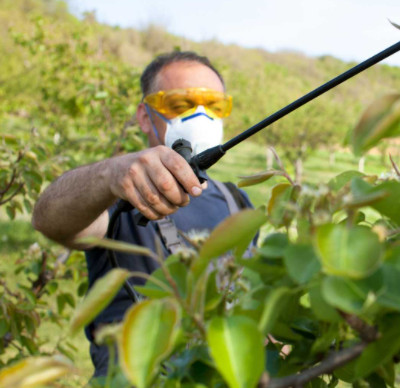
{"x": 280, "y": 164}
{"x": 175, "y": 289}
{"x": 43, "y": 278}
{"x": 152, "y": 279}
{"x": 277, "y": 158}
{"x": 12, "y": 195}
{"x": 63, "y": 257}
{"x": 13, "y": 176}
{"x": 190, "y": 241}
{"x": 396, "y": 169}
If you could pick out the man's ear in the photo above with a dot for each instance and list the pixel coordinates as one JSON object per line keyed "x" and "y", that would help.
{"x": 143, "y": 119}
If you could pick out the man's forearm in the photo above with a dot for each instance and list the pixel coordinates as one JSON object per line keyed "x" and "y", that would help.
{"x": 74, "y": 203}
{"x": 154, "y": 181}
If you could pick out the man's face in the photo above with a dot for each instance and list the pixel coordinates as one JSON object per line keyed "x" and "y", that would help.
{"x": 180, "y": 75}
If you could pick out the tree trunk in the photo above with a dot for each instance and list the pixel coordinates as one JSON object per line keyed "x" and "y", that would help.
{"x": 332, "y": 158}
{"x": 361, "y": 164}
{"x": 298, "y": 169}
{"x": 269, "y": 156}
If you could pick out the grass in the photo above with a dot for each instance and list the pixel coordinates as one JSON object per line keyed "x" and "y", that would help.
{"x": 246, "y": 159}
{"x": 249, "y": 158}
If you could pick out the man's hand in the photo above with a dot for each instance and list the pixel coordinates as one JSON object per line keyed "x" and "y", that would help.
{"x": 155, "y": 181}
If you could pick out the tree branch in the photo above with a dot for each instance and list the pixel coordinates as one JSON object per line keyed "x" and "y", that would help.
{"x": 328, "y": 365}
{"x": 12, "y": 195}
{"x": 335, "y": 360}
{"x": 13, "y": 176}
{"x": 367, "y": 333}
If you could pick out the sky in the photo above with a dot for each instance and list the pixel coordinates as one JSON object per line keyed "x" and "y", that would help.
{"x": 352, "y": 30}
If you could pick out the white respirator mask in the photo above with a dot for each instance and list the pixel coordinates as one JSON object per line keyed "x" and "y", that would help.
{"x": 199, "y": 128}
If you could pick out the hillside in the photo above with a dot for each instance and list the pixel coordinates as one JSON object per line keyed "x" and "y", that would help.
{"x": 260, "y": 82}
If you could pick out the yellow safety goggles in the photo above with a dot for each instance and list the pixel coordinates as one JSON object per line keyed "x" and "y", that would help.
{"x": 175, "y": 102}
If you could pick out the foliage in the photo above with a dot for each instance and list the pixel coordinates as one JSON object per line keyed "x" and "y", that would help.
{"x": 36, "y": 298}
{"x": 321, "y": 289}
{"x": 322, "y": 284}
{"x": 75, "y": 108}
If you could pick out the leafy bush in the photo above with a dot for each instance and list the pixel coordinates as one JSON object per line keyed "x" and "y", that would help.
{"x": 318, "y": 303}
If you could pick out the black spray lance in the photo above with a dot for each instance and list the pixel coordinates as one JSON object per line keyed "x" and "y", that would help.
{"x": 208, "y": 158}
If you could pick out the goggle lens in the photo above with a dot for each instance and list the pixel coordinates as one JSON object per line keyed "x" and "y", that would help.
{"x": 175, "y": 102}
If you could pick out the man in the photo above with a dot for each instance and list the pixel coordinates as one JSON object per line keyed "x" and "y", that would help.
{"x": 183, "y": 96}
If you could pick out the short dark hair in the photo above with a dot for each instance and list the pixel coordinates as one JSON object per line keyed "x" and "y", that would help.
{"x": 150, "y": 72}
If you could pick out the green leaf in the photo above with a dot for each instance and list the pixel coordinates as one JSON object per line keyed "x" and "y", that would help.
{"x": 387, "y": 193}
{"x": 83, "y": 287}
{"x": 99, "y": 296}
{"x": 101, "y": 95}
{"x": 326, "y": 338}
{"x": 52, "y": 287}
{"x": 306, "y": 327}
{"x": 158, "y": 319}
{"x": 251, "y": 180}
{"x": 9, "y": 139}
{"x": 31, "y": 324}
{"x": 280, "y": 196}
{"x": 376, "y": 381}
{"x": 183, "y": 365}
{"x": 343, "y": 294}
{"x": 10, "y": 210}
{"x": 347, "y": 371}
{"x": 28, "y": 293}
{"x": 382, "y": 350}
{"x": 33, "y": 176}
{"x": 317, "y": 383}
{"x": 273, "y": 359}
{"x": 364, "y": 194}
{"x": 29, "y": 344}
{"x": 178, "y": 272}
{"x": 388, "y": 205}
{"x": 341, "y": 180}
{"x": 353, "y": 252}
{"x": 387, "y": 372}
{"x": 389, "y": 296}
{"x": 236, "y": 233}
{"x": 380, "y": 120}
{"x": 275, "y": 303}
{"x": 67, "y": 353}
{"x": 321, "y": 309}
{"x": 114, "y": 245}
{"x": 213, "y": 296}
{"x": 69, "y": 299}
{"x": 38, "y": 371}
{"x": 237, "y": 347}
{"x": 280, "y": 205}
{"x": 301, "y": 262}
{"x": 4, "y": 327}
{"x": 274, "y": 245}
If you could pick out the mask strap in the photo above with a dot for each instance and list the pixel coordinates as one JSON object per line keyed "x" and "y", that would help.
{"x": 148, "y": 110}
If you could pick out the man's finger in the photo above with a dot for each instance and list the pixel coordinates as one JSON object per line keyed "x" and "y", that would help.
{"x": 154, "y": 198}
{"x": 135, "y": 198}
{"x": 182, "y": 172}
